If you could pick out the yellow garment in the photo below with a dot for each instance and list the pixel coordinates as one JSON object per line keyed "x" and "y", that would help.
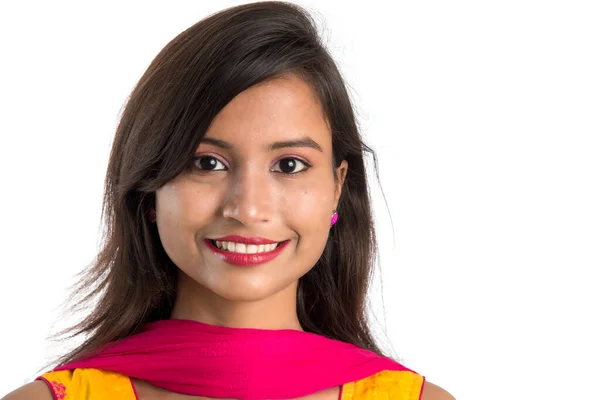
{"x": 89, "y": 384}
{"x": 385, "y": 385}
{"x": 95, "y": 384}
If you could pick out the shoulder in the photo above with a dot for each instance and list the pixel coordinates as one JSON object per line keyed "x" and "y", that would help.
{"x": 35, "y": 390}
{"x": 97, "y": 384}
{"x": 393, "y": 384}
{"x": 400, "y": 384}
{"x": 433, "y": 392}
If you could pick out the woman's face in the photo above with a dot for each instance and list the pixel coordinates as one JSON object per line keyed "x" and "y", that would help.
{"x": 263, "y": 173}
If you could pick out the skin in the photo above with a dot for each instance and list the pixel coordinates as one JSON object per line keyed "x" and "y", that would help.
{"x": 250, "y": 199}
{"x": 246, "y": 193}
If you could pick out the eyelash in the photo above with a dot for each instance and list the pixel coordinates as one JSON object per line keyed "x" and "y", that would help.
{"x": 306, "y": 164}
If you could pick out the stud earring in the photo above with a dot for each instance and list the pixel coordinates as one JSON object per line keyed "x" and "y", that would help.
{"x": 152, "y": 215}
{"x": 334, "y": 219}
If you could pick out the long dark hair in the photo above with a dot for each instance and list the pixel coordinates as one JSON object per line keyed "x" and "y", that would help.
{"x": 132, "y": 280}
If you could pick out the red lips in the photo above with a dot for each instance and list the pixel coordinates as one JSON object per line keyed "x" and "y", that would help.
{"x": 242, "y": 259}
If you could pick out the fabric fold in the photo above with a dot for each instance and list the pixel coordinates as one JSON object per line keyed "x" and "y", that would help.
{"x": 195, "y": 358}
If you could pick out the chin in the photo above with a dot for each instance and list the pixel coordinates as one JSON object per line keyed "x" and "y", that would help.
{"x": 249, "y": 291}
{"x": 243, "y": 296}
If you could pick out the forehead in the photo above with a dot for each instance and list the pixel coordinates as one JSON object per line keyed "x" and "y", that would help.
{"x": 280, "y": 109}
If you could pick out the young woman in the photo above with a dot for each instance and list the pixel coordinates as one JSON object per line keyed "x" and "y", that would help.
{"x": 240, "y": 238}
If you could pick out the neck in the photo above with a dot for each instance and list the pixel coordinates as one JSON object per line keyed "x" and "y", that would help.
{"x": 195, "y": 302}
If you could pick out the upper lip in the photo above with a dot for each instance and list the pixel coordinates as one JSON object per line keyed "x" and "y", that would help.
{"x": 245, "y": 240}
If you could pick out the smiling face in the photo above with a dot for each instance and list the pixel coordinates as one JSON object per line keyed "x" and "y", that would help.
{"x": 263, "y": 170}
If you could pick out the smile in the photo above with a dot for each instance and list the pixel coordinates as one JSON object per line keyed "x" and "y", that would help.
{"x": 245, "y": 248}
{"x": 244, "y": 254}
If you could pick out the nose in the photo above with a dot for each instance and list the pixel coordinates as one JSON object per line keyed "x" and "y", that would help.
{"x": 249, "y": 198}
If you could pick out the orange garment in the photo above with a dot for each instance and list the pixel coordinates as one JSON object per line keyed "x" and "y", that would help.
{"x": 95, "y": 384}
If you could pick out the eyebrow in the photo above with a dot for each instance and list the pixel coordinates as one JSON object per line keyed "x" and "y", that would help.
{"x": 303, "y": 142}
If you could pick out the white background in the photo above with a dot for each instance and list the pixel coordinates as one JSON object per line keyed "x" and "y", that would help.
{"x": 486, "y": 119}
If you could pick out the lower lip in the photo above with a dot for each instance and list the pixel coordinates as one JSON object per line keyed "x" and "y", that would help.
{"x": 242, "y": 259}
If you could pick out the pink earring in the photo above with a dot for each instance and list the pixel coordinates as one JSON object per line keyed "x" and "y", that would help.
{"x": 152, "y": 215}
{"x": 334, "y": 219}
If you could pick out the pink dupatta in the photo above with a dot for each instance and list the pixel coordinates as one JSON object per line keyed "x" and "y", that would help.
{"x": 195, "y": 358}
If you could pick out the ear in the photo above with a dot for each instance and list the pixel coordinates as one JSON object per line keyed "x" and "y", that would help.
{"x": 340, "y": 174}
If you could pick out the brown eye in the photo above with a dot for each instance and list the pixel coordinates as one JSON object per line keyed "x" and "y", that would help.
{"x": 290, "y": 165}
{"x": 209, "y": 163}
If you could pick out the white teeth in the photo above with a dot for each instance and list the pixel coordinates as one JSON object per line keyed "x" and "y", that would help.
{"x": 245, "y": 249}
{"x": 240, "y": 248}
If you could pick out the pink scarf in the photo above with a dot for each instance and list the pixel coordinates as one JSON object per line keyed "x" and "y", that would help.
{"x": 194, "y": 358}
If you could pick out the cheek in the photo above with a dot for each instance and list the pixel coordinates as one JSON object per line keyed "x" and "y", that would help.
{"x": 181, "y": 209}
{"x": 172, "y": 205}
{"x": 185, "y": 204}
{"x": 309, "y": 209}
